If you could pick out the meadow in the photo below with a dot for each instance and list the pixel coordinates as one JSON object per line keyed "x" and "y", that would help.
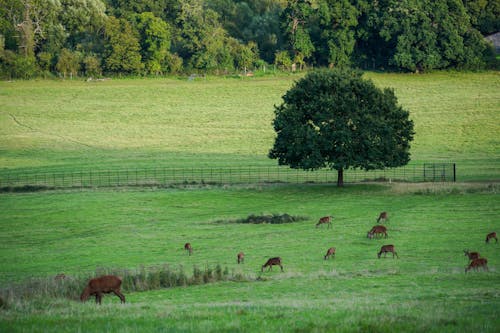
{"x": 130, "y": 123}
{"x": 74, "y": 125}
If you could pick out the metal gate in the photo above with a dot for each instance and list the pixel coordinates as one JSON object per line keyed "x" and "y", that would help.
{"x": 440, "y": 172}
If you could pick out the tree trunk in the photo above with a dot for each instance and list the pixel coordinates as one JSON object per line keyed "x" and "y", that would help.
{"x": 340, "y": 177}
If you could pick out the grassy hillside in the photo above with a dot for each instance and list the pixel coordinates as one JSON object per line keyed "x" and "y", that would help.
{"x": 425, "y": 289}
{"x": 75, "y": 125}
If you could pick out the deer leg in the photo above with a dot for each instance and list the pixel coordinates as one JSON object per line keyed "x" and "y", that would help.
{"x": 396, "y": 254}
{"x": 98, "y": 297}
{"x": 281, "y": 268}
{"x": 119, "y": 294}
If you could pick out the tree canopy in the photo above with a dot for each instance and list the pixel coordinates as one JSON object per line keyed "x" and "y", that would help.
{"x": 222, "y": 36}
{"x": 337, "y": 119}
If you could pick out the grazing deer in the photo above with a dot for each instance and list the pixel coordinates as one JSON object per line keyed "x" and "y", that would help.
{"x": 104, "y": 284}
{"x": 476, "y": 263}
{"x": 60, "y": 276}
{"x": 271, "y": 262}
{"x": 325, "y": 220}
{"x": 188, "y": 248}
{"x": 377, "y": 230}
{"x": 241, "y": 257}
{"x": 471, "y": 255}
{"x": 490, "y": 236}
{"x": 330, "y": 252}
{"x": 382, "y": 216}
{"x": 387, "y": 248}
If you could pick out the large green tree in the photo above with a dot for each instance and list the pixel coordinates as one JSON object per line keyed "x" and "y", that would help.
{"x": 337, "y": 119}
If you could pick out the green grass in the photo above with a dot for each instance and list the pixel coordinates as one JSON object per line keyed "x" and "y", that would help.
{"x": 76, "y": 125}
{"x": 130, "y": 123}
{"x": 426, "y": 289}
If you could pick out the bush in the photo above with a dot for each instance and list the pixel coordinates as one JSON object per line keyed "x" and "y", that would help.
{"x": 271, "y": 219}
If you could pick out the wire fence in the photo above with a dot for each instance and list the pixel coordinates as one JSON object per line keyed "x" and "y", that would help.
{"x": 164, "y": 176}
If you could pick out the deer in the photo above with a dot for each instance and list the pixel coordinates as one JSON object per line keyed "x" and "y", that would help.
{"x": 325, "y": 220}
{"x": 382, "y": 216}
{"x": 60, "y": 276}
{"x": 476, "y": 263}
{"x": 271, "y": 262}
{"x": 240, "y": 257}
{"x": 103, "y": 284}
{"x": 377, "y": 230}
{"x": 471, "y": 255}
{"x": 329, "y": 253}
{"x": 188, "y": 248}
{"x": 387, "y": 248}
{"x": 490, "y": 236}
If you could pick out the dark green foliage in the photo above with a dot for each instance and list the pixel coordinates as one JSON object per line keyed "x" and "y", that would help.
{"x": 222, "y": 36}
{"x": 336, "y": 119}
{"x": 122, "y": 48}
{"x": 271, "y": 219}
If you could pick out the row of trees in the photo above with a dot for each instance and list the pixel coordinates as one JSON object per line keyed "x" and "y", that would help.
{"x": 69, "y": 37}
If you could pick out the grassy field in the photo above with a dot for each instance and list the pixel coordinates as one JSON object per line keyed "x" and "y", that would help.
{"x": 75, "y": 125}
{"x": 426, "y": 289}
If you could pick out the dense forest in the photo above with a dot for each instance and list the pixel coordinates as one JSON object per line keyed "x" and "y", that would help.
{"x": 149, "y": 37}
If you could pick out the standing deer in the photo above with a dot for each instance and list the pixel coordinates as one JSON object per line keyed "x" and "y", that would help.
{"x": 476, "y": 263}
{"x": 387, "y": 248}
{"x": 471, "y": 255}
{"x": 329, "y": 253}
{"x": 490, "y": 236}
{"x": 271, "y": 262}
{"x": 103, "y": 284}
{"x": 325, "y": 220}
{"x": 382, "y": 216}
{"x": 240, "y": 257}
{"x": 377, "y": 230}
{"x": 188, "y": 248}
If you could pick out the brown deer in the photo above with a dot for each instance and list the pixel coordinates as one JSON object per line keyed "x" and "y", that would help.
{"x": 490, "y": 236}
{"x": 387, "y": 248}
{"x": 240, "y": 257}
{"x": 330, "y": 252}
{"x": 60, "y": 276}
{"x": 382, "y": 216}
{"x": 271, "y": 262}
{"x": 188, "y": 248}
{"x": 103, "y": 284}
{"x": 376, "y": 231}
{"x": 325, "y": 220}
{"x": 476, "y": 263}
{"x": 471, "y": 255}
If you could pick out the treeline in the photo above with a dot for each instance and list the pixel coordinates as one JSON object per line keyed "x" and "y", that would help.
{"x": 149, "y": 37}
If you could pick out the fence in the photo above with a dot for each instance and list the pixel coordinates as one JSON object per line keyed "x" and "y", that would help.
{"x": 443, "y": 172}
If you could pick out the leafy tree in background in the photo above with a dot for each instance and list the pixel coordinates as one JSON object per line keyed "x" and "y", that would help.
{"x": 337, "y": 23}
{"x": 485, "y": 15}
{"x": 154, "y": 37}
{"x": 68, "y": 63}
{"x": 295, "y": 19}
{"x": 336, "y": 119}
{"x": 122, "y": 48}
{"x": 92, "y": 66}
{"x": 430, "y": 34}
